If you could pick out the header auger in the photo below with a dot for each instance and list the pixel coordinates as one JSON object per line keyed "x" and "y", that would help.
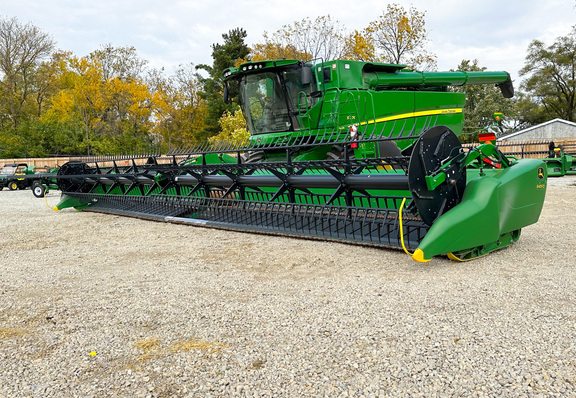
{"x": 348, "y": 151}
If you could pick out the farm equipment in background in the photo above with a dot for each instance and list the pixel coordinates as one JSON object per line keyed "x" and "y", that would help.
{"x": 558, "y": 162}
{"x": 347, "y": 151}
{"x": 44, "y": 183}
{"x": 21, "y": 176}
{"x": 12, "y": 176}
{"x": 559, "y": 159}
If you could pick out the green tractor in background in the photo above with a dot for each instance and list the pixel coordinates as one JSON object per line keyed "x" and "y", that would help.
{"x": 347, "y": 151}
{"x": 12, "y": 176}
{"x": 21, "y": 176}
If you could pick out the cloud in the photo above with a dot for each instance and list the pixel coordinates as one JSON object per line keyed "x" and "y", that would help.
{"x": 172, "y": 32}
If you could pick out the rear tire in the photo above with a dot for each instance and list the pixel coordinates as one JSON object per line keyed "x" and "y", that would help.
{"x": 12, "y": 185}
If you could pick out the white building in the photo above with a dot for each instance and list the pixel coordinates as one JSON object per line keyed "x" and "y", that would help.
{"x": 557, "y": 130}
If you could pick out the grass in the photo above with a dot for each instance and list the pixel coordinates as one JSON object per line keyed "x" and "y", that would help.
{"x": 197, "y": 344}
{"x": 8, "y": 333}
{"x": 152, "y": 347}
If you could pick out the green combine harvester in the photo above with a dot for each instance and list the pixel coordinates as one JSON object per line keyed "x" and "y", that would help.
{"x": 347, "y": 151}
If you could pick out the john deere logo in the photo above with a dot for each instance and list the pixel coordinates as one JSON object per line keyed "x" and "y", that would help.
{"x": 540, "y": 173}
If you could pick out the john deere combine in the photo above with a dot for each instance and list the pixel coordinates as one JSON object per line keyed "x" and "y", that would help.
{"x": 355, "y": 152}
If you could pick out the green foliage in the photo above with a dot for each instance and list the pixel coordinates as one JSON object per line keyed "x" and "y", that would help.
{"x": 224, "y": 55}
{"x": 551, "y": 76}
{"x": 482, "y": 101}
{"x": 40, "y": 139}
{"x": 22, "y": 49}
{"x": 530, "y": 113}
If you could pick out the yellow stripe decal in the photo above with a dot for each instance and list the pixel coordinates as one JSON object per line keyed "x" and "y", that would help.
{"x": 414, "y": 114}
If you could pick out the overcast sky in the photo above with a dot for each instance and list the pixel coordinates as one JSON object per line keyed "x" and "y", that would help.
{"x": 170, "y": 32}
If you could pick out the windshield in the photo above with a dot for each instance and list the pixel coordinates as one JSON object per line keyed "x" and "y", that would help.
{"x": 270, "y": 100}
{"x": 8, "y": 170}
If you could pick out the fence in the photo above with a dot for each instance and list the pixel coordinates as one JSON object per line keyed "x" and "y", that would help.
{"x": 44, "y": 164}
{"x": 40, "y": 163}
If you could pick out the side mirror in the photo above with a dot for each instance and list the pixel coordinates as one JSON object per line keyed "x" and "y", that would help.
{"x": 225, "y": 93}
{"x": 306, "y": 75}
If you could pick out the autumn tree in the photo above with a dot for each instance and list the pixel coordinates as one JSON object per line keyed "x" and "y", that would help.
{"x": 119, "y": 62}
{"x": 400, "y": 37}
{"x": 124, "y": 120}
{"x": 359, "y": 46}
{"x": 40, "y": 135}
{"x": 550, "y": 73}
{"x": 397, "y": 36}
{"x": 113, "y": 113}
{"x": 307, "y": 39}
{"x": 234, "y": 129}
{"x": 179, "y": 110}
{"x": 79, "y": 101}
{"x": 271, "y": 50}
{"x": 22, "y": 49}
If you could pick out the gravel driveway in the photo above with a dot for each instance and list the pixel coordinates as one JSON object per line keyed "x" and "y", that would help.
{"x": 95, "y": 305}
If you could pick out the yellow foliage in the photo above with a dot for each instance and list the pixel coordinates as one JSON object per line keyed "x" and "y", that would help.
{"x": 359, "y": 46}
{"x": 178, "y": 115}
{"x": 269, "y": 50}
{"x": 106, "y": 108}
{"x": 61, "y": 108}
{"x": 233, "y": 129}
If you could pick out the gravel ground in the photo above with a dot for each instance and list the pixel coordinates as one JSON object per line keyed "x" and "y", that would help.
{"x": 95, "y": 305}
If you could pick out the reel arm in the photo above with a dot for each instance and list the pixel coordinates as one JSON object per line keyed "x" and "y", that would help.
{"x": 461, "y": 161}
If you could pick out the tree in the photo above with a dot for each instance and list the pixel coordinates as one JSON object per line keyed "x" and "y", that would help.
{"x": 400, "y": 37}
{"x": 179, "y": 110}
{"x": 271, "y": 50}
{"x": 119, "y": 62}
{"x": 22, "y": 49}
{"x": 113, "y": 114}
{"x": 551, "y": 76}
{"x": 304, "y": 40}
{"x": 225, "y": 56}
{"x": 47, "y": 80}
{"x": 482, "y": 101}
{"x": 359, "y": 46}
{"x": 234, "y": 129}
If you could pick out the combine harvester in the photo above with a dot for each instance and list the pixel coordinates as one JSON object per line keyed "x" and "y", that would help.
{"x": 347, "y": 151}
